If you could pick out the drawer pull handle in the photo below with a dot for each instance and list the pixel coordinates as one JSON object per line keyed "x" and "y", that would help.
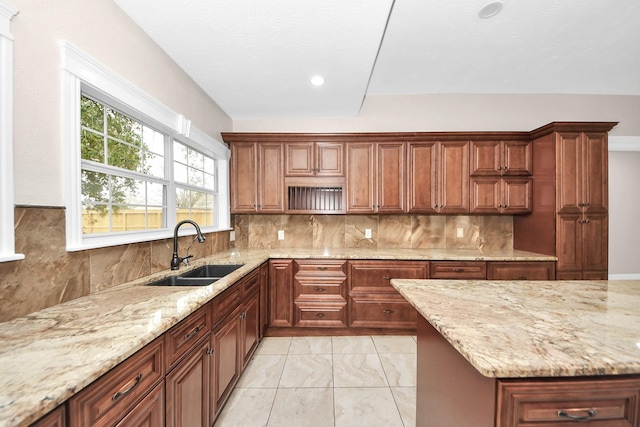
{"x": 320, "y": 289}
{"x": 522, "y": 278}
{"x": 322, "y": 268}
{"x": 387, "y": 311}
{"x": 590, "y": 414}
{"x": 458, "y": 270}
{"x": 319, "y": 314}
{"x": 386, "y": 277}
{"x": 119, "y": 394}
{"x": 193, "y": 333}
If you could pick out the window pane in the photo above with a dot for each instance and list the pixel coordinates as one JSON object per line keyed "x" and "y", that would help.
{"x": 209, "y": 182}
{"x": 196, "y": 178}
{"x": 180, "y": 173}
{"x": 91, "y": 114}
{"x": 153, "y": 140}
{"x": 123, "y": 155}
{"x": 124, "y": 128}
{"x": 95, "y": 187}
{"x": 92, "y": 146}
{"x": 154, "y": 165}
{"x": 179, "y": 152}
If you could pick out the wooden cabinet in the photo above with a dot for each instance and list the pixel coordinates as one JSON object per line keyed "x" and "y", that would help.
{"x": 55, "y": 418}
{"x": 250, "y": 316}
{"x": 376, "y": 177}
{"x": 500, "y": 195}
{"x": 497, "y": 158}
{"x": 593, "y": 402}
{"x": 373, "y": 302}
{"x": 281, "y": 293}
{"x": 264, "y": 299}
{"x": 149, "y": 412}
{"x": 527, "y": 270}
{"x": 257, "y": 177}
{"x": 438, "y": 177}
{"x": 314, "y": 159}
{"x": 227, "y": 358}
{"x": 114, "y": 395}
{"x": 320, "y": 293}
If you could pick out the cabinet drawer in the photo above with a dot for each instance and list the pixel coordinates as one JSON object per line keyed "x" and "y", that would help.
{"x": 326, "y": 315}
{"x": 180, "y": 339}
{"x": 613, "y": 403}
{"x": 226, "y": 302}
{"x": 114, "y": 394}
{"x": 375, "y": 276}
{"x": 521, "y": 270}
{"x": 251, "y": 282}
{"x": 382, "y": 312}
{"x": 324, "y": 289}
{"x": 320, "y": 267}
{"x": 458, "y": 270}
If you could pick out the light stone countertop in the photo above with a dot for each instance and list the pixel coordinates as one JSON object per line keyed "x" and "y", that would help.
{"x": 517, "y": 329}
{"x": 48, "y": 356}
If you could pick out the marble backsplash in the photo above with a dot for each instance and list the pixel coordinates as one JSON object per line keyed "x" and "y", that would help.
{"x": 387, "y": 231}
{"x": 50, "y": 275}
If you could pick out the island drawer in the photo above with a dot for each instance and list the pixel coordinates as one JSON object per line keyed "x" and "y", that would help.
{"x": 600, "y": 403}
{"x": 382, "y": 312}
{"x": 375, "y": 276}
{"x": 316, "y": 267}
{"x": 328, "y": 315}
{"x": 113, "y": 395}
{"x": 458, "y": 270}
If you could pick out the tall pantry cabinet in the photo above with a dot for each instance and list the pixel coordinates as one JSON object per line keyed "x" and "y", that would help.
{"x": 570, "y": 199}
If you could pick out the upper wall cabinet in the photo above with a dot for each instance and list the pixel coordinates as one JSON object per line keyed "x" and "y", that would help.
{"x": 314, "y": 159}
{"x": 439, "y": 177}
{"x": 496, "y": 158}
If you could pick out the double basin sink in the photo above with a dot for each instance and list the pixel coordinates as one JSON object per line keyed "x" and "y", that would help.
{"x": 202, "y": 276}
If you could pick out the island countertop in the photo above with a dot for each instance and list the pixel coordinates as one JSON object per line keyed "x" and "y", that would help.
{"x": 517, "y": 329}
{"x": 48, "y": 356}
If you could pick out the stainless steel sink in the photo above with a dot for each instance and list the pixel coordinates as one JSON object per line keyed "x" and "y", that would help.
{"x": 212, "y": 270}
{"x": 184, "y": 281}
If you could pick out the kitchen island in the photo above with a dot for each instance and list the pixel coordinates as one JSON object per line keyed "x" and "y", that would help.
{"x": 525, "y": 353}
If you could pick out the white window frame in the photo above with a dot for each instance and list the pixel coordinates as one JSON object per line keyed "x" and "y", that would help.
{"x": 7, "y": 206}
{"x": 81, "y": 71}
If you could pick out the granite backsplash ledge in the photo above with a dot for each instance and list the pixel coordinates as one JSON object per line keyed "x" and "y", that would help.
{"x": 387, "y": 231}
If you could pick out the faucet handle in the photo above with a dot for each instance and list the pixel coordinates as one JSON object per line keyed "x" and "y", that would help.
{"x": 186, "y": 260}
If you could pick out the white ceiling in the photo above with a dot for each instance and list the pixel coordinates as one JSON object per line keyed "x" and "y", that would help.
{"x": 255, "y": 57}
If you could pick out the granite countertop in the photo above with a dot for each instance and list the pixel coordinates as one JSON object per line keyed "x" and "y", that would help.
{"x": 517, "y": 329}
{"x": 48, "y": 356}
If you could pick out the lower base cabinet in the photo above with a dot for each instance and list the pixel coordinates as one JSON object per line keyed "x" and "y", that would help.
{"x": 149, "y": 412}
{"x": 55, "y": 418}
{"x": 226, "y": 342}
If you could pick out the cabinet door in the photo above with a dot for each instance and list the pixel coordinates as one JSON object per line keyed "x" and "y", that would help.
{"x": 569, "y": 173}
{"x": 187, "y": 389}
{"x": 595, "y": 243}
{"x": 243, "y": 177}
{"x": 281, "y": 292}
{"x": 514, "y": 270}
{"x": 270, "y": 179}
{"x": 453, "y": 180}
{"x": 486, "y": 194}
{"x": 422, "y": 166}
{"x": 250, "y": 326}
{"x": 516, "y": 158}
{"x": 485, "y": 158}
{"x": 391, "y": 177}
{"x": 361, "y": 180}
{"x": 329, "y": 159}
{"x": 299, "y": 159}
{"x": 149, "y": 412}
{"x": 226, "y": 356}
{"x": 569, "y": 242}
{"x": 517, "y": 194}
{"x": 55, "y": 418}
{"x": 596, "y": 176}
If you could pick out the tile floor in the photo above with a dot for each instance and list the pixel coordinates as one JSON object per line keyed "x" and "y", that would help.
{"x": 326, "y": 381}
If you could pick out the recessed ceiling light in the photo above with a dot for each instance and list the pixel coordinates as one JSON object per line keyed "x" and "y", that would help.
{"x": 490, "y": 9}
{"x": 317, "y": 80}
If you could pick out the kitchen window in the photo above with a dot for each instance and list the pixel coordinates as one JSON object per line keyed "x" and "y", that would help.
{"x": 7, "y": 232}
{"x": 133, "y": 167}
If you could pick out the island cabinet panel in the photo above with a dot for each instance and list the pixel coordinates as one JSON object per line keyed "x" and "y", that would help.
{"x": 55, "y": 418}
{"x": 373, "y": 302}
{"x": 438, "y": 178}
{"x": 526, "y": 270}
{"x": 116, "y": 393}
{"x": 600, "y": 403}
{"x": 320, "y": 291}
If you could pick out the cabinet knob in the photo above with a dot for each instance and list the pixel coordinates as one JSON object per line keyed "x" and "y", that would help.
{"x": 458, "y": 270}
{"x": 320, "y": 314}
{"x": 387, "y": 311}
{"x": 320, "y": 289}
{"x": 386, "y": 277}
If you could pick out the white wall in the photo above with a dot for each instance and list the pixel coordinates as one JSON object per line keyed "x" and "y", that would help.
{"x": 103, "y": 31}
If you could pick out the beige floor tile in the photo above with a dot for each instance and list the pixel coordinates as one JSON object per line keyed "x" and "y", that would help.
{"x": 264, "y": 370}
{"x": 302, "y": 407}
{"x": 366, "y": 407}
{"x": 405, "y": 398}
{"x": 400, "y": 369}
{"x": 310, "y": 345}
{"x": 358, "y": 370}
{"x": 247, "y": 407}
{"x": 388, "y": 344}
{"x": 307, "y": 370}
{"x": 274, "y": 345}
{"x": 342, "y": 345}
